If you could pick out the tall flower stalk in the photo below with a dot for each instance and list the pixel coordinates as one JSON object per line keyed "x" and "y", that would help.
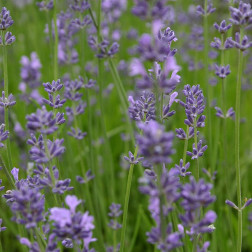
{"x": 56, "y": 40}
{"x": 237, "y": 149}
{"x": 6, "y": 39}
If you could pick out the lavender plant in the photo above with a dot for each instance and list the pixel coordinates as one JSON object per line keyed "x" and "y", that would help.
{"x": 96, "y": 126}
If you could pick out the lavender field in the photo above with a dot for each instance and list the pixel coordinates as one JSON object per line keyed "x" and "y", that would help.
{"x": 125, "y": 126}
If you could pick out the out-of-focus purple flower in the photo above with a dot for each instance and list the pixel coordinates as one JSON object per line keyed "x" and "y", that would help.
{"x": 142, "y": 109}
{"x": 201, "y": 11}
{"x": 33, "y": 247}
{"x": 222, "y": 71}
{"x": 166, "y": 109}
{"x": 26, "y": 203}
{"x": 197, "y": 152}
{"x": 71, "y": 224}
{"x": 115, "y": 210}
{"x": 242, "y": 15}
{"x": 2, "y": 228}
{"x": 157, "y": 49}
{"x": 7, "y": 101}
{"x": 38, "y": 152}
{"x": 169, "y": 188}
{"x": 77, "y": 134}
{"x": 210, "y": 176}
{"x": 5, "y": 19}
{"x": 155, "y": 145}
{"x": 222, "y": 28}
{"x": 230, "y": 113}
{"x": 30, "y": 72}
{"x": 104, "y": 49}
{"x": 204, "y": 248}
{"x": 51, "y": 179}
{"x": 3, "y": 135}
{"x": 240, "y": 43}
{"x": 81, "y": 24}
{"x": 132, "y": 160}
{"x": 196, "y": 195}
{"x": 80, "y": 5}
{"x": 113, "y": 9}
{"x": 158, "y": 10}
{"x": 216, "y": 44}
{"x": 114, "y": 213}
{"x": 8, "y": 39}
{"x": 172, "y": 240}
{"x": 88, "y": 176}
{"x": 45, "y": 6}
{"x": 43, "y": 121}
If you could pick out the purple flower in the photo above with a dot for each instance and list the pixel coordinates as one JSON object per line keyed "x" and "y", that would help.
{"x": 196, "y": 195}
{"x": 80, "y": 5}
{"x": 71, "y": 224}
{"x": 142, "y": 109}
{"x": 104, "y": 49}
{"x": 8, "y": 39}
{"x": 77, "y": 134}
{"x": 132, "y": 160}
{"x": 5, "y": 19}
{"x": 30, "y": 72}
{"x": 26, "y": 203}
{"x": 172, "y": 239}
{"x": 222, "y": 28}
{"x": 157, "y": 49}
{"x": 181, "y": 134}
{"x": 201, "y": 11}
{"x": 56, "y": 86}
{"x": 3, "y": 135}
{"x": 115, "y": 210}
{"x": 222, "y": 71}
{"x": 38, "y": 152}
{"x": 240, "y": 43}
{"x": 88, "y": 176}
{"x": 44, "y": 6}
{"x": 43, "y": 121}
{"x": 241, "y": 15}
{"x": 155, "y": 145}
{"x": 2, "y": 228}
{"x": 182, "y": 169}
{"x": 197, "y": 152}
{"x": 7, "y": 102}
{"x": 194, "y": 106}
{"x": 230, "y": 113}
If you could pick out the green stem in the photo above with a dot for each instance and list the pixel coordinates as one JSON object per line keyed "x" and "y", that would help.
{"x": 209, "y": 96}
{"x": 6, "y": 110}
{"x": 237, "y": 149}
{"x": 186, "y": 145}
{"x": 196, "y": 146}
{"x": 136, "y": 229}
{"x": 56, "y": 40}
{"x": 126, "y": 202}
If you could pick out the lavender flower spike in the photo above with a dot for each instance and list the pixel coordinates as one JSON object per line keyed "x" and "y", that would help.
{"x": 3, "y": 135}
{"x": 155, "y": 145}
{"x": 5, "y": 19}
{"x": 222, "y": 28}
{"x": 132, "y": 160}
{"x": 197, "y": 152}
{"x": 7, "y": 102}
